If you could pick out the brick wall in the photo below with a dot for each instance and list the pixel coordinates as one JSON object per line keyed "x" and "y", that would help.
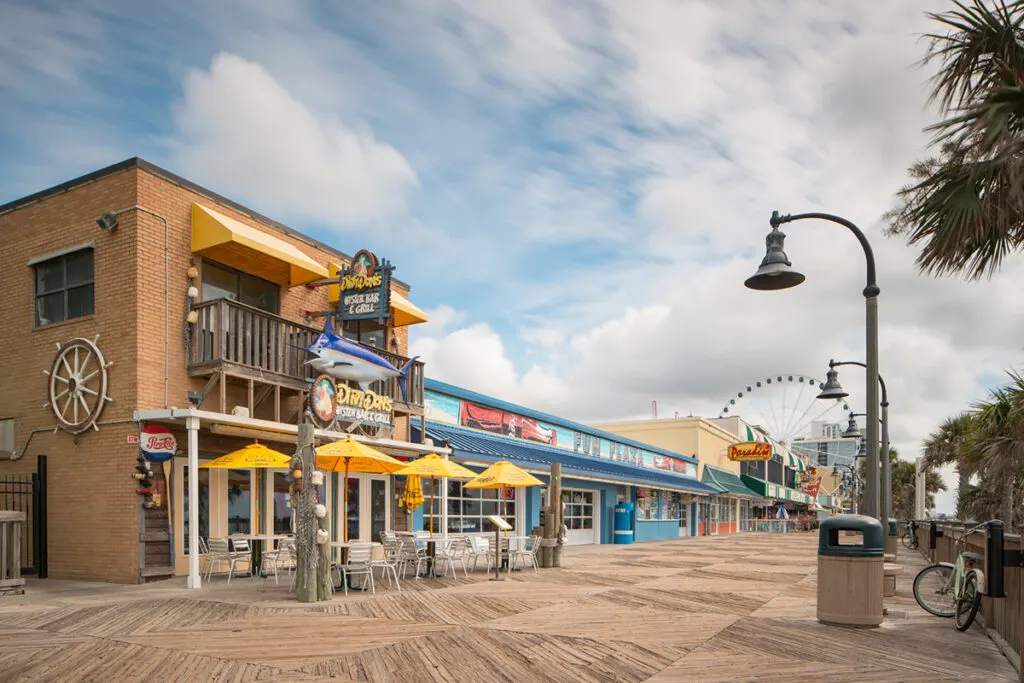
{"x": 92, "y": 503}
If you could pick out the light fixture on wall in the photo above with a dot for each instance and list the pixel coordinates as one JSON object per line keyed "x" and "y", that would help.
{"x": 107, "y": 221}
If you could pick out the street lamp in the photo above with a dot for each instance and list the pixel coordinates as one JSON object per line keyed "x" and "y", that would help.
{"x": 776, "y": 272}
{"x": 852, "y": 430}
{"x": 833, "y": 389}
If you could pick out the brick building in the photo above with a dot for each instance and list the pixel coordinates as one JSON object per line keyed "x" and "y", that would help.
{"x": 110, "y": 258}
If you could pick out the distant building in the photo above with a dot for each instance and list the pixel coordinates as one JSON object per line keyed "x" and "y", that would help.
{"x": 826, "y": 447}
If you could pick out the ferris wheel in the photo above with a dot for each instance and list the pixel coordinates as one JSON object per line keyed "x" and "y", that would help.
{"x": 784, "y": 405}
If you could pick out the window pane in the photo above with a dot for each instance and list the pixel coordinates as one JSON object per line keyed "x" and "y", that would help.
{"x": 239, "y": 512}
{"x": 371, "y": 334}
{"x": 259, "y": 293}
{"x": 50, "y": 309}
{"x": 454, "y": 507}
{"x": 80, "y": 301}
{"x": 219, "y": 283}
{"x": 378, "y": 508}
{"x": 282, "y": 504}
{"x": 454, "y": 488}
{"x": 78, "y": 267}
{"x": 50, "y": 276}
{"x": 204, "y": 506}
{"x": 353, "y": 509}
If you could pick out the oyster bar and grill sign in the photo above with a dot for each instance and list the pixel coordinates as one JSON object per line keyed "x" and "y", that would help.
{"x": 330, "y": 401}
{"x": 365, "y": 288}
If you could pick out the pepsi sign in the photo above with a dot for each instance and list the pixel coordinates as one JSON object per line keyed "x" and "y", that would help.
{"x": 157, "y": 443}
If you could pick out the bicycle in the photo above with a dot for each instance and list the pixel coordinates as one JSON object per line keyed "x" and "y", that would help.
{"x": 910, "y": 541}
{"x": 947, "y": 590}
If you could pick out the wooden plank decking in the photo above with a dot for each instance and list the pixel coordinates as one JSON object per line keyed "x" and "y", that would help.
{"x": 735, "y": 608}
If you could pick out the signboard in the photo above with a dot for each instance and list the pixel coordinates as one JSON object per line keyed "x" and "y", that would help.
{"x": 365, "y": 288}
{"x": 157, "y": 443}
{"x": 499, "y": 522}
{"x": 750, "y": 450}
{"x": 455, "y": 411}
{"x": 810, "y": 482}
{"x": 330, "y": 402}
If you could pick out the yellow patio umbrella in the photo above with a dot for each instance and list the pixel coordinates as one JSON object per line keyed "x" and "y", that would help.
{"x": 502, "y": 475}
{"x": 348, "y": 455}
{"x": 433, "y": 465}
{"x": 254, "y": 456}
{"x": 413, "y": 496}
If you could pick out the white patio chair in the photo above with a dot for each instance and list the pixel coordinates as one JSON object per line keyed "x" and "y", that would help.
{"x": 452, "y": 551}
{"x": 221, "y": 551}
{"x": 389, "y": 563}
{"x": 282, "y": 556}
{"x": 527, "y": 552}
{"x": 410, "y": 552}
{"x": 360, "y": 561}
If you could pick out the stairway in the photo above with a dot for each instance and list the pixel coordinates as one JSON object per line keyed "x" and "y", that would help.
{"x": 155, "y": 538}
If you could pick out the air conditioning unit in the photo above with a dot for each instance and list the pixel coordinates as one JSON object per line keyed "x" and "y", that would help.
{"x": 240, "y": 411}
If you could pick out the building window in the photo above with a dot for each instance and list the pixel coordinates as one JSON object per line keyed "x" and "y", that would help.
{"x": 367, "y": 332}
{"x": 222, "y": 282}
{"x": 239, "y": 510}
{"x": 65, "y": 287}
{"x": 204, "y": 506}
{"x": 6, "y": 436}
{"x": 579, "y": 509}
{"x": 468, "y": 509}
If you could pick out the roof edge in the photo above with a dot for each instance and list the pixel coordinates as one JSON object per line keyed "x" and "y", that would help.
{"x": 164, "y": 174}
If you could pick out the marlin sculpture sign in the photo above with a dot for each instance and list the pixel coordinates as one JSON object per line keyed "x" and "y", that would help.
{"x": 346, "y": 360}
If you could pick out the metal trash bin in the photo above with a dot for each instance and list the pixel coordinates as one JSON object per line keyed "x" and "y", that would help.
{"x": 892, "y": 539}
{"x": 850, "y": 572}
{"x": 624, "y": 523}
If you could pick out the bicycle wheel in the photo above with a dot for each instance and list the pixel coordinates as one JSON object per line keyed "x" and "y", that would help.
{"x": 969, "y": 602}
{"x": 910, "y": 542}
{"x": 933, "y": 590}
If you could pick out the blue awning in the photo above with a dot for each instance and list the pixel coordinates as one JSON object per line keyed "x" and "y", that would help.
{"x": 478, "y": 446}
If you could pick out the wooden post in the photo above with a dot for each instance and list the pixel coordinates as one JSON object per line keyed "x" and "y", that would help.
{"x": 313, "y": 561}
{"x": 555, "y": 487}
{"x": 550, "y": 529}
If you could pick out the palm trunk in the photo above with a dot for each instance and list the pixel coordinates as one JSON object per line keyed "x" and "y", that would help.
{"x": 1007, "y": 512}
{"x": 963, "y": 481}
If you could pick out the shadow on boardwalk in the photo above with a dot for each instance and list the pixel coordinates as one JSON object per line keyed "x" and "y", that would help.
{"x": 737, "y": 608}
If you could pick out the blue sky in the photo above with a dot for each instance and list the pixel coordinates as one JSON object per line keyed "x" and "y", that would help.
{"x": 576, "y": 190}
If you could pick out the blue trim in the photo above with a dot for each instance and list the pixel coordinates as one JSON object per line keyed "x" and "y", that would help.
{"x": 458, "y": 392}
{"x": 479, "y": 446}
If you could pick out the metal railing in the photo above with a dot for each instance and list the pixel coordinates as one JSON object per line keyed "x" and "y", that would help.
{"x": 231, "y": 332}
{"x": 1002, "y": 606}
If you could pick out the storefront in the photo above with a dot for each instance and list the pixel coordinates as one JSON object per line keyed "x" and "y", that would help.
{"x": 599, "y": 469}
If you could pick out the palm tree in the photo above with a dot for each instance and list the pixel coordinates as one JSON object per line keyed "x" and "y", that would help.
{"x": 950, "y": 445}
{"x": 965, "y": 205}
{"x": 999, "y": 438}
{"x": 904, "y": 485}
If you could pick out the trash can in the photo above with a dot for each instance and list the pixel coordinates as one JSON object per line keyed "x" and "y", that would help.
{"x": 851, "y": 550}
{"x": 624, "y": 523}
{"x": 892, "y": 539}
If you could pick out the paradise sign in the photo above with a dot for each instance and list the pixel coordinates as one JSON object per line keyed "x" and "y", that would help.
{"x": 750, "y": 450}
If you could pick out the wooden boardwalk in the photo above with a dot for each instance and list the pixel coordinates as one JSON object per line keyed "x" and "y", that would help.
{"x": 737, "y": 608}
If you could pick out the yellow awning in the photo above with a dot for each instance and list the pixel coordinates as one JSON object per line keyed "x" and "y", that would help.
{"x": 232, "y": 242}
{"x": 404, "y": 311}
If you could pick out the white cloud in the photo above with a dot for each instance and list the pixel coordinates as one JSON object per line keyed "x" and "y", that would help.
{"x": 243, "y": 133}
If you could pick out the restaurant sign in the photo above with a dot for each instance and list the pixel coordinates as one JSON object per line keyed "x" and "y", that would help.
{"x": 331, "y": 402}
{"x": 750, "y": 450}
{"x": 365, "y": 288}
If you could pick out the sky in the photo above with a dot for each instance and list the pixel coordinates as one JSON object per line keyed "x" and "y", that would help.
{"x": 574, "y": 190}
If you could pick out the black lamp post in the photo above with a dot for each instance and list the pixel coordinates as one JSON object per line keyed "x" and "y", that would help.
{"x": 833, "y": 389}
{"x": 776, "y": 272}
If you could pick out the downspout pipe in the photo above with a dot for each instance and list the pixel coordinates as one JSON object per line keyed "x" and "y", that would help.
{"x": 167, "y": 299}
{"x": 21, "y": 454}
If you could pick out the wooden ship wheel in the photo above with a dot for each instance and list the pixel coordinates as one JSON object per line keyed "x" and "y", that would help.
{"x": 77, "y": 388}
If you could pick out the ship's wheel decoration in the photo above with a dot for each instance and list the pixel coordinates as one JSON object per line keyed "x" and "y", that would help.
{"x": 77, "y": 388}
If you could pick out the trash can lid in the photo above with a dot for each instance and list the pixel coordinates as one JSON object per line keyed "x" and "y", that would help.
{"x": 872, "y": 543}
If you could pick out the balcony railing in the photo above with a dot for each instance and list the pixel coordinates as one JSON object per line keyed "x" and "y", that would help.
{"x": 229, "y": 332}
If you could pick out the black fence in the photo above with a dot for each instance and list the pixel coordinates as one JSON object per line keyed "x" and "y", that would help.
{"x": 27, "y": 493}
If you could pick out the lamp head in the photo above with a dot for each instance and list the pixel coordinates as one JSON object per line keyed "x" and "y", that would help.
{"x": 852, "y": 430}
{"x": 107, "y": 221}
{"x": 832, "y": 388}
{"x": 775, "y": 271}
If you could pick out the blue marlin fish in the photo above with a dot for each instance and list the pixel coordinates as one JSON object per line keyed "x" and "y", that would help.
{"x": 346, "y": 360}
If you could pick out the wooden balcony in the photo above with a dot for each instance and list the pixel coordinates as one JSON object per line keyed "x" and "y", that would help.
{"x": 240, "y": 341}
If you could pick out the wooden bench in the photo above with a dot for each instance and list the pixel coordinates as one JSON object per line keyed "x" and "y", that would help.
{"x": 11, "y": 522}
{"x": 889, "y": 574}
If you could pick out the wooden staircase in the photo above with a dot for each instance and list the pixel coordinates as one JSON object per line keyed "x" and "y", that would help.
{"x": 155, "y": 539}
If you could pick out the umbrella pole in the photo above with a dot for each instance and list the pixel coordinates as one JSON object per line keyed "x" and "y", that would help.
{"x": 431, "y": 506}
{"x": 344, "y": 508}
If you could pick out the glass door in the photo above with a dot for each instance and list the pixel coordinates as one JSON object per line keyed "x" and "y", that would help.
{"x": 684, "y": 519}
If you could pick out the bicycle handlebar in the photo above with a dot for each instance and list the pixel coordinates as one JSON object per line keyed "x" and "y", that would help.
{"x": 974, "y": 529}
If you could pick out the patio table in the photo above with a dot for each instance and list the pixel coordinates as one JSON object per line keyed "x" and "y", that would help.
{"x": 256, "y": 547}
